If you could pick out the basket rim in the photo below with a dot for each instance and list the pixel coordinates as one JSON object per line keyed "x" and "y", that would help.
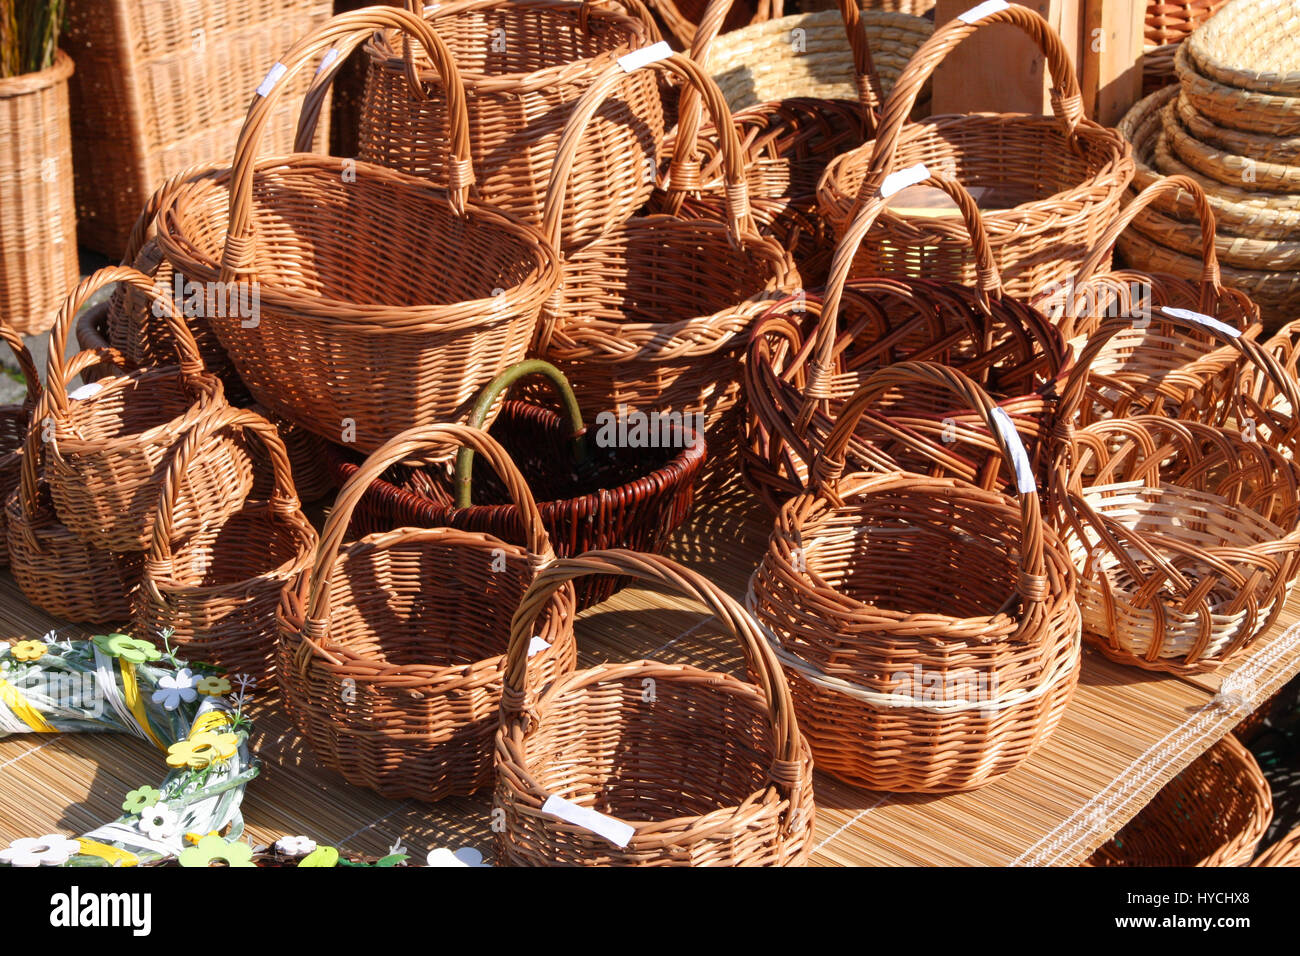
{"x": 1218, "y": 36}
{"x": 38, "y": 81}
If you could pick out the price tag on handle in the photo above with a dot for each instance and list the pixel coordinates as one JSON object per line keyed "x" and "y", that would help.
{"x": 1025, "y": 483}
{"x": 615, "y": 831}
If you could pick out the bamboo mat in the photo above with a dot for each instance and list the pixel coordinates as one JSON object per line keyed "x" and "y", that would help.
{"x": 1125, "y": 734}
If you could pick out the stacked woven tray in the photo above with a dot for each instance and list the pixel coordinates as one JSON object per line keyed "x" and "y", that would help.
{"x": 1232, "y": 123}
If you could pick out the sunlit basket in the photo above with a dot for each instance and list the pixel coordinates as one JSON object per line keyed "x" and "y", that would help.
{"x": 1285, "y": 852}
{"x": 1169, "y": 23}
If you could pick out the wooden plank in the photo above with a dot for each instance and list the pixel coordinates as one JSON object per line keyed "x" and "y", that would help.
{"x": 1110, "y": 60}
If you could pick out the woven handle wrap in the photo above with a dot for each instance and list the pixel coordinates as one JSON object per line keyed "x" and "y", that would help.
{"x": 989, "y": 285}
{"x": 57, "y": 375}
{"x": 1032, "y": 583}
{"x": 740, "y": 222}
{"x": 494, "y": 390}
{"x": 654, "y": 569}
{"x": 26, "y": 364}
{"x": 284, "y": 498}
{"x": 1067, "y": 101}
{"x": 410, "y": 444}
{"x": 343, "y": 33}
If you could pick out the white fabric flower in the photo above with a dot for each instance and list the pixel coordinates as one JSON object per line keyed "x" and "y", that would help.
{"x": 174, "y": 688}
{"x": 465, "y": 856}
{"x": 295, "y": 845}
{"x": 159, "y": 822}
{"x": 53, "y": 849}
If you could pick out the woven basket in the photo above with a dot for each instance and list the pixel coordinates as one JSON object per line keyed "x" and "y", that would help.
{"x": 524, "y": 64}
{"x": 350, "y": 313}
{"x": 1169, "y": 23}
{"x": 38, "y": 249}
{"x": 653, "y": 314}
{"x": 1245, "y": 172}
{"x": 1260, "y": 401}
{"x": 611, "y": 497}
{"x": 110, "y": 442}
{"x": 14, "y": 421}
{"x": 1214, "y": 813}
{"x": 809, "y": 354}
{"x": 217, "y": 590}
{"x": 56, "y": 570}
{"x": 392, "y": 649}
{"x": 1185, "y": 537}
{"x": 309, "y": 461}
{"x": 92, "y": 336}
{"x": 163, "y": 84}
{"x": 1285, "y": 852}
{"x": 1259, "y": 146}
{"x": 1252, "y": 45}
{"x": 1239, "y": 109}
{"x": 1041, "y": 218}
{"x": 900, "y": 681}
{"x": 696, "y": 768}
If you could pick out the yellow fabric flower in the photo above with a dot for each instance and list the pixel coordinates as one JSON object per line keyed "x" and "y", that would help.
{"x": 202, "y": 750}
{"x": 213, "y": 686}
{"x": 27, "y": 651}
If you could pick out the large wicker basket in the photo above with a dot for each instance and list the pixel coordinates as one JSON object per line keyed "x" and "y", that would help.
{"x": 901, "y": 681}
{"x": 650, "y": 764}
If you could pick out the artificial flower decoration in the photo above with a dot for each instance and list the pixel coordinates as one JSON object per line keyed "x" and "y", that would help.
{"x": 128, "y": 648}
{"x": 140, "y": 798}
{"x": 50, "y": 850}
{"x": 213, "y": 849}
{"x": 465, "y": 856}
{"x": 295, "y": 845}
{"x": 202, "y": 750}
{"x": 321, "y": 856}
{"x": 213, "y": 686}
{"x": 27, "y": 651}
{"x": 159, "y": 823}
{"x": 173, "y": 689}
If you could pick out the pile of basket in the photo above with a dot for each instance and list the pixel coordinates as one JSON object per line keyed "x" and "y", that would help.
{"x": 1232, "y": 123}
{"x": 1167, "y": 24}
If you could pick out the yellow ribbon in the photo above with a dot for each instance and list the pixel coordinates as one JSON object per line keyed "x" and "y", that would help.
{"x": 12, "y": 697}
{"x": 131, "y": 693}
{"x": 212, "y": 720}
{"x": 110, "y": 854}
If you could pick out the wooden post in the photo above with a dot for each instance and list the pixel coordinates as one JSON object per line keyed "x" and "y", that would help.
{"x": 1111, "y": 62}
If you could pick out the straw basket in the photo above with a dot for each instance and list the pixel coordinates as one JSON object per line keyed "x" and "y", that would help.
{"x": 217, "y": 591}
{"x": 1252, "y": 45}
{"x": 900, "y": 681}
{"x": 38, "y": 232}
{"x": 591, "y": 495}
{"x": 351, "y": 313}
{"x": 1285, "y": 852}
{"x": 1248, "y": 110}
{"x": 14, "y": 422}
{"x": 392, "y": 649}
{"x": 110, "y": 442}
{"x": 649, "y": 764}
{"x": 1041, "y": 218}
{"x": 653, "y": 314}
{"x": 523, "y": 63}
{"x": 1169, "y": 23}
{"x": 809, "y": 354}
{"x": 1214, "y": 813}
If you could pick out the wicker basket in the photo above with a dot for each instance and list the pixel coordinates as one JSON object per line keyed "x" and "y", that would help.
{"x": 1169, "y": 23}
{"x": 685, "y": 767}
{"x": 350, "y": 313}
{"x": 810, "y": 353}
{"x": 92, "y": 336}
{"x": 217, "y": 590}
{"x": 14, "y": 421}
{"x": 680, "y": 19}
{"x": 1246, "y": 110}
{"x": 1249, "y": 173}
{"x": 524, "y": 64}
{"x": 1041, "y": 218}
{"x": 1252, "y": 45}
{"x": 392, "y": 649}
{"x": 901, "y": 682}
{"x": 309, "y": 461}
{"x": 610, "y": 498}
{"x": 110, "y": 442}
{"x": 38, "y": 249}
{"x": 163, "y": 84}
{"x": 1285, "y": 852}
{"x": 1261, "y": 402}
{"x": 653, "y": 314}
{"x": 1214, "y": 813}
{"x": 1259, "y": 146}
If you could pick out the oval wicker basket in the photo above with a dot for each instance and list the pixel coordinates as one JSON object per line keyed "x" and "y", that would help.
{"x": 809, "y": 354}
{"x": 217, "y": 591}
{"x": 1259, "y": 146}
{"x": 694, "y": 767}
{"x": 523, "y": 64}
{"x": 1214, "y": 813}
{"x": 1041, "y": 218}
{"x": 1245, "y": 110}
{"x": 900, "y": 682}
{"x": 350, "y": 314}
{"x": 1250, "y": 173}
{"x": 610, "y": 497}
{"x": 14, "y": 421}
{"x": 392, "y": 648}
{"x": 1252, "y": 45}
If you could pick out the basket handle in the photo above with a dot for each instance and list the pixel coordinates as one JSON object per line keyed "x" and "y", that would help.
{"x": 740, "y": 222}
{"x": 488, "y": 397}
{"x": 161, "y": 198}
{"x": 1211, "y": 282}
{"x": 684, "y": 31}
{"x": 989, "y": 286}
{"x": 655, "y": 569}
{"x": 410, "y": 444}
{"x": 57, "y": 375}
{"x": 1067, "y": 100}
{"x": 284, "y": 497}
{"x": 26, "y": 364}
{"x": 1032, "y": 583}
{"x": 338, "y": 37}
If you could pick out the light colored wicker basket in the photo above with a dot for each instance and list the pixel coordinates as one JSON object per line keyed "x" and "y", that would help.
{"x": 38, "y": 227}
{"x": 1252, "y": 45}
{"x": 1246, "y": 110}
{"x": 163, "y": 84}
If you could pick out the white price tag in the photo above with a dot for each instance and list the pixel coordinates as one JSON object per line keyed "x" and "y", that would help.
{"x": 645, "y": 56}
{"x": 537, "y": 645}
{"x": 900, "y": 180}
{"x": 1200, "y": 318}
{"x": 982, "y": 10}
{"x": 615, "y": 831}
{"x": 1019, "y": 457}
{"x": 272, "y": 77}
{"x": 327, "y": 60}
{"x": 89, "y": 390}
